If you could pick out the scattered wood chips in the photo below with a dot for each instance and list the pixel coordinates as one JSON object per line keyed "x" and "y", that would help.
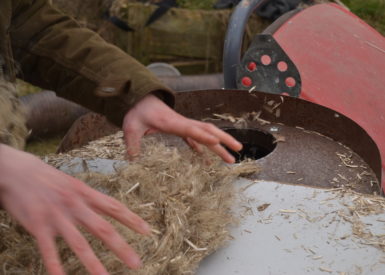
{"x": 364, "y": 205}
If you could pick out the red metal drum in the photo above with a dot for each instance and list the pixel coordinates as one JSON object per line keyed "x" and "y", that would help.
{"x": 341, "y": 60}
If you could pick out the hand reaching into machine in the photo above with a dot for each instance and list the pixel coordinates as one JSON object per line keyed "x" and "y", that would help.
{"x": 152, "y": 115}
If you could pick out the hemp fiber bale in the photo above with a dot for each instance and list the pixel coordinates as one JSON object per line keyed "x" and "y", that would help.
{"x": 186, "y": 198}
{"x": 13, "y": 131}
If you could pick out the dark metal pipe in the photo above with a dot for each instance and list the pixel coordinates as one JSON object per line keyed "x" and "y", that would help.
{"x": 234, "y": 38}
{"x": 193, "y": 82}
{"x": 49, "y": 115}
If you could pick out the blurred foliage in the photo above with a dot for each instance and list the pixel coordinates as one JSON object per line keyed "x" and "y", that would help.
{"x": 196, "y": 4}
{"x": 42, "y": 147}
{"x": 372, "y": 11}
{"x": 24, "y": 88}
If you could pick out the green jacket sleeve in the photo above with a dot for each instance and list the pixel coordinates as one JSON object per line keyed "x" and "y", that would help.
{"x": 56, "y": 53}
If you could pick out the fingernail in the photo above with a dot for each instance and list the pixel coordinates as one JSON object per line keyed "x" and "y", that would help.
{"x": 145, "y": 228}
{"x": 135, "y": 262}
{"x": 131, "y": 157}
{"x": 240, "y": 146}
{"x": 231, "y": 160}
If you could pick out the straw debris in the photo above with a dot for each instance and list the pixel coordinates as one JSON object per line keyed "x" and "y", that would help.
{"x": 12, "y": 121}
{"x": 363, "y": 205}
{"x": 241, "y": 122}
{"x": 186, "y": 201}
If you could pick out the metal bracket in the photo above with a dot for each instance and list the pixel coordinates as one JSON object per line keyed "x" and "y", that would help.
{"x": 266, "y": 67}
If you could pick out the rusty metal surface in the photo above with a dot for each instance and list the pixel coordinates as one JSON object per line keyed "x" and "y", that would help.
{"x": 88, "y": 127}
{"x": 311, "y": 141}
{"x": 307, "y": 158}
{"x": 311, "y": 159}
{"x": 293, "y": 113}
{"x": 303, "y": 150}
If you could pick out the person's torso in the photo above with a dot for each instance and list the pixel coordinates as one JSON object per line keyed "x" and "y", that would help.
{"x": 12, "y": 122}
{"x": 6, "y": 60}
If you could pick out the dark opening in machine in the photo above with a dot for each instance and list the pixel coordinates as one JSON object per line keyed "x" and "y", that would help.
{"x": 256, "y": 143}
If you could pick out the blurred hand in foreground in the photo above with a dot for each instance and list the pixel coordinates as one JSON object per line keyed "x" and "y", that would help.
{"x": 49, "y": 203}
{"x": 151, "y": 115}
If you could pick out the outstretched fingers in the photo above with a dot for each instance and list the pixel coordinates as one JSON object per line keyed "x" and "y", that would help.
{"x": 202, "y": 132}
{"x": 196, "y": 133}
{"x": 151, "y": 114}
{"x": 188, "y": 128}
{"x": 47, "y": 247}
{"x": 111, "y": 207}
{"x": 223, "y": 137}
{"x": 222, "y": 153}
{"x": 79, "y": 246}
{"x": 194, "y": 145}
{"x": 102, "y": 229}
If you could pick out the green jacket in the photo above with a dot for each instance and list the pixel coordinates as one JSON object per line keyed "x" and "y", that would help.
{"x": 42, "y": 46}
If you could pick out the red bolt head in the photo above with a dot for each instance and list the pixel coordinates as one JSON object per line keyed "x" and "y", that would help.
{"x": 246, "y": 81}
{"x": 251, "y": 66}
{"x": 290, "y": 82}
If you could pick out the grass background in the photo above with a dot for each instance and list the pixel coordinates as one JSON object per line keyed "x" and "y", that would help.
{"x": 196, "y": 4}
{"x": 372, "y": 11}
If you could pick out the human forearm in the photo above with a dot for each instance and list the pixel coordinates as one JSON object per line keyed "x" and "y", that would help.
{"x": 56, "y": 53}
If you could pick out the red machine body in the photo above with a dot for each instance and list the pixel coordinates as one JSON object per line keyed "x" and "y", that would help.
{"x": 341, "y": 60}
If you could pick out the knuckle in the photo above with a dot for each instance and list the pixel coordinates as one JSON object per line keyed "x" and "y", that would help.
{"x": 104, "y": 230}
{"x": 66, "y": 198}
{"x": 79, "y": 244}
{"x": 209, "y": 127}
{"x": 53, "y": 263}
{"x": 114, "y": 206}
